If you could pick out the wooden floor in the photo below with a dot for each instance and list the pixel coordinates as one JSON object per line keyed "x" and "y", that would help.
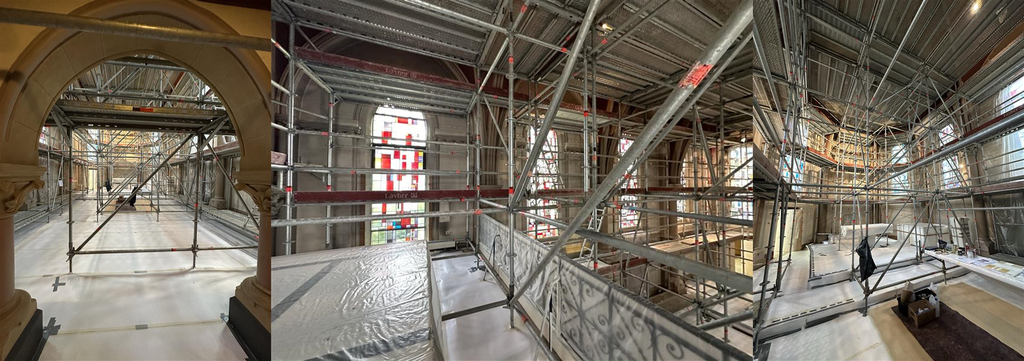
{"x": 1000, "y": 318}
{"x": 901, "y": 344}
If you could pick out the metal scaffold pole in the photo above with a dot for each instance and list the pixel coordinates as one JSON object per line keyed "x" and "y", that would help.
{"x": 200, "y": 142}
{"x": 329, "y": 241}
{"x": 290, "y": 172}
{"x": 511, "y": 128}
{"x": 71, "y": 200}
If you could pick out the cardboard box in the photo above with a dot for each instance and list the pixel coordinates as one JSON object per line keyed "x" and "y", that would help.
{"x": 926, "y": 315}
{"x": 904, "y": 299}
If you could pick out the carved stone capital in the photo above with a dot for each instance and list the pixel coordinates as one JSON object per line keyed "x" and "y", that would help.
{"x": 12, "y": 195}
{"x": 260, "y": 195}
{"x": 16, "y": 180}
{"x": 257, "y": 184}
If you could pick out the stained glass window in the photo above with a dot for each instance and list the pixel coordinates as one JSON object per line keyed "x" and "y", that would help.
{"x": 399, "y": 127}
{"x": 544, "y": 177}
{"x": 951, "y": 172}
{"x": 741, "y": 210}
{"x": 902, "y": 181}
{"x": 947, "y": 135}
{"x": 738, "y": 155}
{"x": 398, "y": 139}
{"x": 797, "y": 170}
{"x": 628, "y": 218}
{"x": 1011, "y": 97}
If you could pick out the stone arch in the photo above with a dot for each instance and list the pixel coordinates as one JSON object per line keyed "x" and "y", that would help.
{"x": 56, "y": 57}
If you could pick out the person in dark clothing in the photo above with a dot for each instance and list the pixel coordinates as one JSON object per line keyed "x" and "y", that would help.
{"x": 131, "y": 201}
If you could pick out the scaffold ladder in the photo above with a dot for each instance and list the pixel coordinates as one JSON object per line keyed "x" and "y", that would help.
{"x": 587, "y": 247}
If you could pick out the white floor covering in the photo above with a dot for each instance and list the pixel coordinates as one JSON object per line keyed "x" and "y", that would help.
{"x": 132, "y": 306}
{"x": 828, "y": 260}
{"x": 483, "y": 335}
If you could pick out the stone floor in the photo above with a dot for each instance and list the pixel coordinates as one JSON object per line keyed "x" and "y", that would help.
{"x": 138, "y": 305}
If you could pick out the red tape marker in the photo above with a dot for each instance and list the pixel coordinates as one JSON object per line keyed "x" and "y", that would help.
{"x": 696, "y": 75}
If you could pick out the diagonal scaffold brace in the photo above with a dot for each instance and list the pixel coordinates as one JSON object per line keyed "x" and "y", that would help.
{"x": 72, "y": 250}
{"x": 730, "y": 32}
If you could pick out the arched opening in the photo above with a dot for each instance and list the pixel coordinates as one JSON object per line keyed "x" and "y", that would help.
{"x": 47, "y": 62}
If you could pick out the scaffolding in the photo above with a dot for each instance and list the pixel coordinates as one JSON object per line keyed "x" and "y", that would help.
{"x": 856, "y": 143}
{"x": 670, "y": 115}
{"x": 115, "y": 135}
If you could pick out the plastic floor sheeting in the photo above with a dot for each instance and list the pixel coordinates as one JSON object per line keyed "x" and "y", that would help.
{"x": 373, "y": 302}
{"x": 132, "y": 306}
{"x": 483, "y": 335}
{"x": 795, "y": 274}
{"x": 849, "y": 337}
{"x": 826, "y": 259}
{"x": 794, "y": 303}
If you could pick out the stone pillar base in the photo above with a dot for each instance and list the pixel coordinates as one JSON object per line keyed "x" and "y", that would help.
{"x": 219, "y": 203}
{"x": 249, "y": 318}
{"x": 21, "y": 327}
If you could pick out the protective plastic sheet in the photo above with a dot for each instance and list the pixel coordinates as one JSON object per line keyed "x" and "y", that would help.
{"x": 370, "y": 302}
{"x": 857, "y": 231}
{"x": 924, "y": 235}
{"x": 1009, "y": 223}
{"x": 597, "y": 319}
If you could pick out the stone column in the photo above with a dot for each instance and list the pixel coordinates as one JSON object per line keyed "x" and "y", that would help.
{"x": 254, "y": 292}
{"x": 16, "y": 306}
{"x": 218, "y": 200}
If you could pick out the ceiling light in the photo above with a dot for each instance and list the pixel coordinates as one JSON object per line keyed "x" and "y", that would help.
{"x": 743, "y": 140}
{"x": 606, "y": 27}
{"x": 975, "y": 7}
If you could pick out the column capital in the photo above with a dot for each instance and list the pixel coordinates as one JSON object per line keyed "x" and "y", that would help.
{"x": 16, "y": 180}
{"x": 261, "y": 195}
{"x": 257, "y": 184}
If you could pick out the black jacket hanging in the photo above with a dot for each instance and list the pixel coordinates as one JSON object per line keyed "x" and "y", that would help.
{"x": 867, "y": 264}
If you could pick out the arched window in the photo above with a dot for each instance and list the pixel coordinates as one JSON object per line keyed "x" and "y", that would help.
{"x": 398, "y": 139}
{"x": 898, "y": 155}
{"x": 681, "y": 204}
{"x": 628, "y": 218}
{"x": 737, "y": 156}
{"x": 545, "y": 176}
{"x": 797, "y": 170}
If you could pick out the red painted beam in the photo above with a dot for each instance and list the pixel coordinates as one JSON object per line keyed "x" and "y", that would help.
{"x": 394, "y": 196}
